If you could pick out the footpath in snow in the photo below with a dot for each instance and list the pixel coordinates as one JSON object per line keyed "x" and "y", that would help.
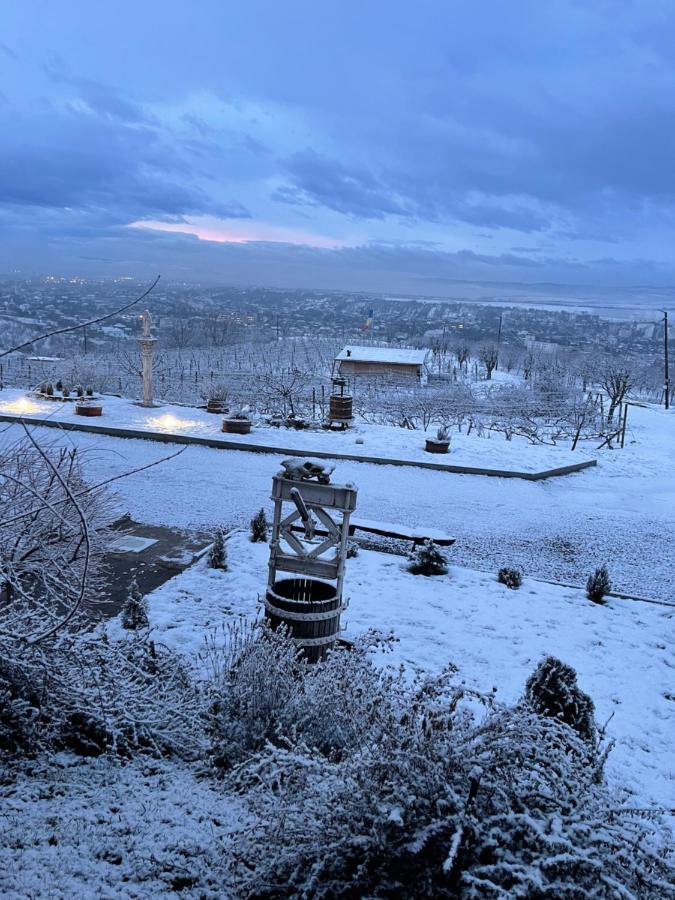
{"x": 491, "y": 454}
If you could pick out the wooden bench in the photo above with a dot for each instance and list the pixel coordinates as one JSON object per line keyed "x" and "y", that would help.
{"x": 416, "y": 534}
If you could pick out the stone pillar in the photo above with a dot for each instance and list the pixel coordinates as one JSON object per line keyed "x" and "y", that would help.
{"x": 147, "y": 350}
{"x": 147, "y": 344}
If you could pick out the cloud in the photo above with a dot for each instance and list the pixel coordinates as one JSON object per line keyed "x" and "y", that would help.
{"x": 318, "y": 181}
{"x": 446, "y": 128}
{"x": 69, "y": 159}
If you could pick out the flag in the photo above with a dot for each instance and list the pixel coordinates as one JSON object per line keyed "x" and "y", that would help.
{"x": 369, "y": 320}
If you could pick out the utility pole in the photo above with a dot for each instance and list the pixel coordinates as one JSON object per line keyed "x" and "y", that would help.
{"x": 499, "y": 338}
{"x": 666, "y": 379}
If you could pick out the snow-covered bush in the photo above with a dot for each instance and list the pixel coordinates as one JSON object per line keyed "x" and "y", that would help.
{"x": 127, "y": 696}
{"x": 443, "y": 434}
{"x": 598, "y": 585}
{"x": 134, "y": 613}
{"x": 263, "y": 691}
{"x": 443, "y": 804}
{"x": 552, "y": 690}
{"x": 427, "y": 559}
{"x": 92, "y": 695}
{"x": 217, "y": 558}
{"x": 19, "y": 702}
{"x": 252, "y": 679}
{"x": 512, "y": 578}
{"x": 352, "y": 549}
{"x": 259, "y": 527}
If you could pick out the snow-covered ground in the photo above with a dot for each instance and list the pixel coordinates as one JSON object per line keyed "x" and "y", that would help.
{"x": 621, "y": 512}
{"x": 382, "y": 441}
{"x": 624, "y": 652}
{"x": 74, "y": 827}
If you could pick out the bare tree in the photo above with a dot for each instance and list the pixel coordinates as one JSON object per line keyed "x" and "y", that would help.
{"x": 617, "y": 378}
{"x": 488, "y": 355}
{"x": 462, "y": 352}
{"x": 283, "y": 391}
{"x": 52, "y": 538}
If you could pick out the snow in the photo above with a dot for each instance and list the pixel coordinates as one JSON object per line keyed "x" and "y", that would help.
{"x": 74, "y": 827}
{"x": 621, "y": 513}
{"x": 623, "y": 651}
{"x": 392, "y": 355}
{"x": 380, "y": 441}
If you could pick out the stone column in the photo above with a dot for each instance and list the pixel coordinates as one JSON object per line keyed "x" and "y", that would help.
{"x": 147, "y": 345}
{"x": 147, "y": 350}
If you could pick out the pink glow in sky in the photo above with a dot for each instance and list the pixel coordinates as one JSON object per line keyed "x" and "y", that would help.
{"x": 240, "y": 233}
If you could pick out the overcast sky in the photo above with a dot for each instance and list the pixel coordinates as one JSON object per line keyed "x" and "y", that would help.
{"x": 384, "y": 145}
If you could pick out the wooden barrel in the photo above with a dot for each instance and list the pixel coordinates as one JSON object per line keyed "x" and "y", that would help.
{"x": 89, "y": 410}
{"x": 237, "y": 426}
{"x": 310, "y": 609}
{"x": 433, "y": 446}
{"x": 340, "y": 409}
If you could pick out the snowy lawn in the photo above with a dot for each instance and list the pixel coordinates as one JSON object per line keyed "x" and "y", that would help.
{"x": 623, "y": 652}
{"x": 621, "y": 512}
{"x": 74, "y": 827}
{"x": 382, "y": 441}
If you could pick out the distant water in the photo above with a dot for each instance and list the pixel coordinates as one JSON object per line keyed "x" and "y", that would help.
{"x": 640, "y": 302}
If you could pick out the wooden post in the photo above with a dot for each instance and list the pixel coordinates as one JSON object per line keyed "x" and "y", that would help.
{"x": 623, "y": 427}
{"x": 665, "y": 360}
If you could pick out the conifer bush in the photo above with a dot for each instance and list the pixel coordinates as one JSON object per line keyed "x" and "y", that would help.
{"x": 134, "y": 614}
{"x": 552, "y": 690}
{"x": 428, "y": 559}
{"x": 512, "y": 578}
{"x": 598, "y": 585}
{"x": 217, "y": 558}
{"x": 259, "y": 527}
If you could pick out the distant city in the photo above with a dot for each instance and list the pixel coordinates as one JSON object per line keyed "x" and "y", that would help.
{"x": 201, "y": 315}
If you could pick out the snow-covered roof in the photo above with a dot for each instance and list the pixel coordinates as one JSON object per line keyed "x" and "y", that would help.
{"x": 392, "y": 355}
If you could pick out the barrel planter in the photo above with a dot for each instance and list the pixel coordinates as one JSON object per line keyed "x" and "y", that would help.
{"x": 310, "y": 609}
{"x": 215, "y": 406}
{"x": 434, "y": 446}
{"x": 237, "y": 426}
{"x": 88, "y": 409}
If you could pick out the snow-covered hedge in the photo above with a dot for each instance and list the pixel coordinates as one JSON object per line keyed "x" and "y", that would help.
{"x": 443, "y": 803}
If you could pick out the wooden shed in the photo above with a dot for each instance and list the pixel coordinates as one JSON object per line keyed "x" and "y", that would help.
{"x": 390, "y": 361}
